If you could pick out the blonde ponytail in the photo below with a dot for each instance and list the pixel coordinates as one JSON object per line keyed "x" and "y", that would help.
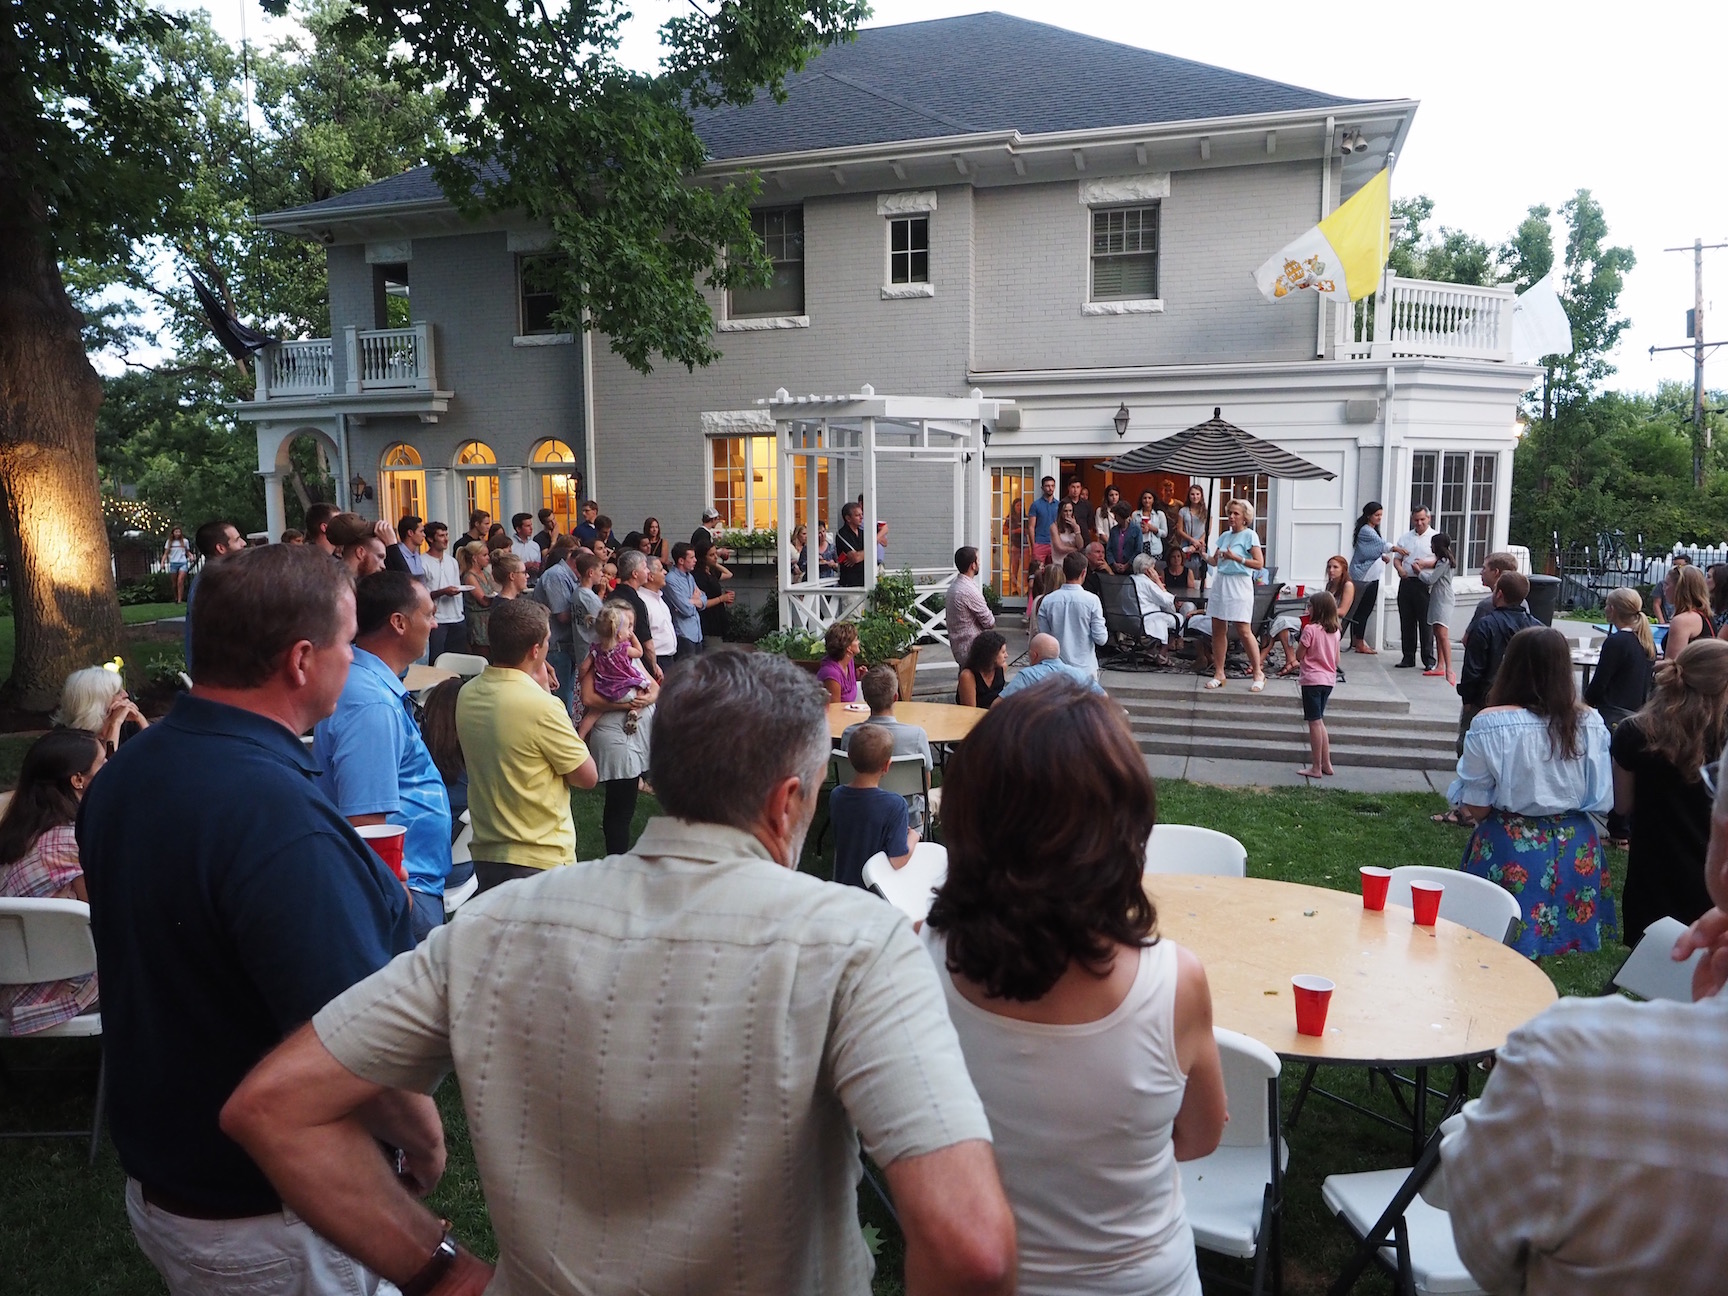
{"x": 1626, "y": 610}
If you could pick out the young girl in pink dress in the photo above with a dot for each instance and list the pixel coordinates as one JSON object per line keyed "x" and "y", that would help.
{"x": 1317, "y": 651}
{"x": 615, "y": 652}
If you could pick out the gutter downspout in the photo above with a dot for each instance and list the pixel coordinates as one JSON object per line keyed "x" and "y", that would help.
{"x": 1325, "y": 211}
{"x": 589, "y": 488}
{"x": 1385, "y": 499}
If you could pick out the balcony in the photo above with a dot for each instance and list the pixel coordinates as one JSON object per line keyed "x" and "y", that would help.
{"x": 1416, "y": 317}
{"x": 377, "y": 361}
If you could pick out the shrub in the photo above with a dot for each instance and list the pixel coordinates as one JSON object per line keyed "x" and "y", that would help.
{"x": 799, "y": 645}
{"x": 993, "y": 600}
{"x": 741, "y": 624}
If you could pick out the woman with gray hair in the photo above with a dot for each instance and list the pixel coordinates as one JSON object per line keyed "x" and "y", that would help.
{"x": 95, "y": 699}
{"x": 1145, "y": 596}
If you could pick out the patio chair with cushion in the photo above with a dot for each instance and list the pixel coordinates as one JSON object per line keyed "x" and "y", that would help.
{"x": 1234, "y": 1197}
{"x": 1184, "y": 848}
{"x": 909, "y": 889}
{"x": 49, "y": 940}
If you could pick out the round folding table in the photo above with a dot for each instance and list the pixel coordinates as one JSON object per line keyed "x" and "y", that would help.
{"x": 942, "y": 722}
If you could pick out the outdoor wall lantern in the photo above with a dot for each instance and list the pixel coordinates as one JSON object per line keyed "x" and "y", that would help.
{"x": 358, "y": 489}
{"x": 1122, "y": 419}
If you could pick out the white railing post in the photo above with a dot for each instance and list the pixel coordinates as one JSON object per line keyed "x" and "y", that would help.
{"x": 352, "y": 345}
{"x": 262, "y": 363}
{"x": 423, "y": 364}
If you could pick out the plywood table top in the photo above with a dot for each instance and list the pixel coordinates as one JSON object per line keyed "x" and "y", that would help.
{"x": 1406, "y": 995}
{"x": 942, "y": 722}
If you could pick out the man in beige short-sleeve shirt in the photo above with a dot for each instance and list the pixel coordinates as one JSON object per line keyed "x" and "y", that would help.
{"x": 669, "y": 1058}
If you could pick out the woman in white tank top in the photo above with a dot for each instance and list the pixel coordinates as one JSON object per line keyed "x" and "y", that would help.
{"x": 1089, "y": 1040}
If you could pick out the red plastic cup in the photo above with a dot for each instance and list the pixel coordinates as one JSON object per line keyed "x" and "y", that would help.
{"x": 1374, "y": 884}
{"x": 1313, "y": 996}
{"x": 1425, "y": 901}
{"x": 387, "y": 840}
{"x": 1301, "y": 591}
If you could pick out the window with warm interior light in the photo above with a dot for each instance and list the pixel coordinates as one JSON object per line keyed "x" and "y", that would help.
{"x": 404, "y": 483}
{"x": 745, "y": 483}
{"x": 478, "y": 465}
{"x": 560, "y": 483}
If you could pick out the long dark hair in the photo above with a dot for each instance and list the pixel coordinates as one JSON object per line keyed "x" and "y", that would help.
{"x": 1719, "y": 590}
{"x": 45, "y": 797}
{"x": 983, "y": 655}
{"x": 1536, "y": 674}
{"x": 1046, "y": 810}
{"x": 1368, "y": 510}
{"x": 1441, "y": 547}
{"x": 1685, "y": 722}
{"x": 438, "y": 730}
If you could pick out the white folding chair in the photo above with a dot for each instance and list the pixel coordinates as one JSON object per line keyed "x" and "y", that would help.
{"x": 1184, "y": 848}
{"x": 1234, "y": 1197}
{"x": 49, "y": 940}
{"x": 1649, "y": 973}
{"x": 909, "y": 889}
{"x": 1399, "y": 1220}
{"x": 1468, "y": 900}
{"x": 461, "y": 852}
{"x": 905, "y": 776}
{"x": 464, "y": 664}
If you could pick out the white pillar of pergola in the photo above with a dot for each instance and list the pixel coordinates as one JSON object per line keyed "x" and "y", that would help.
{"x": 851, "y": 433}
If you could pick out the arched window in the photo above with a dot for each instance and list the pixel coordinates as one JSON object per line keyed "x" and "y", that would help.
{"x": 560, "y": 482}
{"x": 478, "y": 465}
{"x": 404, "y": 483}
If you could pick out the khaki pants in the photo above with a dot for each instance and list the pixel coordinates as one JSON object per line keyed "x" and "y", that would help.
{"x": 264, "y": 1255}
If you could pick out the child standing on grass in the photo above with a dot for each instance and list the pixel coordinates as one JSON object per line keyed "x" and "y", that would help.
{"x": 615, "y": 652}
{"x": 1317, "y": 651}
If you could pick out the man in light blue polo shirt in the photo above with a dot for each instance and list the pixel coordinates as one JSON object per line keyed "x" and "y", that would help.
{"x": 376, "y": 768}
{"x": 1047, "y": 663}
{"x": 685, "y": 601}
{"x": 1074, "y": 616}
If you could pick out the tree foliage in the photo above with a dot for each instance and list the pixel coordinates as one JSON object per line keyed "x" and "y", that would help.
{"x": 543, "y": 120}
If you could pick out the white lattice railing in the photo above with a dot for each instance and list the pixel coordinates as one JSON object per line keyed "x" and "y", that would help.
{"x": 1417, "y": 317}
{"x": 816, "y": 605}
{"x": 304, "y": 368}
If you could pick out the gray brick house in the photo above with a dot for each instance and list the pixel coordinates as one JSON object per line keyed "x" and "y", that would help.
{"x": 978, "y": 202}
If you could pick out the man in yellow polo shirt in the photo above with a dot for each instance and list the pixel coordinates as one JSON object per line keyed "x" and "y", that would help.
{"x": 522, "y": 752}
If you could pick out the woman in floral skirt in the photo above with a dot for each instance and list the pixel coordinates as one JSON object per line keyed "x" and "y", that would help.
{"x": 1535, "y": 765}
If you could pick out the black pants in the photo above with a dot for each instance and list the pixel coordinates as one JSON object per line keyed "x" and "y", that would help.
{"x": 616, "y": 814}
{"x": 1366, "y": 593}
{"x": 1413, "y": 624}
{"x": 491, "y": 874}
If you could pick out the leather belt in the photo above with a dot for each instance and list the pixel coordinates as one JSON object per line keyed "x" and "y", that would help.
{"x": 174, "y": 1204}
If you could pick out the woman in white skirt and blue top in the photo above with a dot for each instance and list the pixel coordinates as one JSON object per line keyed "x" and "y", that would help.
{"x": 1237, "y": 557}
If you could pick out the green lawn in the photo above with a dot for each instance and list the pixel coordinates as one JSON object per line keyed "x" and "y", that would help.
{"x": 63, "y": 1227}
{"x": 140, "y": 652}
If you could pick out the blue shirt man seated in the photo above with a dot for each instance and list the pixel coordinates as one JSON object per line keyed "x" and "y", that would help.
{"x": 865, "y": 816}
{"x": 376, "y": 766}
{"x": 228, "y": 906}
{"x": 1047, "y": 663}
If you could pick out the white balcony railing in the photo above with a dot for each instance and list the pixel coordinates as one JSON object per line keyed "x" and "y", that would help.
{"x": 1417, "y": 317}
{"x": 375, "y": 360}
{"x": 301, "y": 368}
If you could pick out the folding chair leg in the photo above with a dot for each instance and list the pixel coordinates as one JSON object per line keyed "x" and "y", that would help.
{"x": 101, "y": 1106}
{"x": 1264, "y": 1249}
{"x": 1302, "y": 1095}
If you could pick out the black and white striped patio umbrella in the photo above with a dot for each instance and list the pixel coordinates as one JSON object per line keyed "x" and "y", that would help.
{"x": 1214, "y": 448}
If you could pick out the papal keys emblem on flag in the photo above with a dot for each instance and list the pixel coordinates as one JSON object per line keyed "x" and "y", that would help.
{"x": 1297, "y": 275}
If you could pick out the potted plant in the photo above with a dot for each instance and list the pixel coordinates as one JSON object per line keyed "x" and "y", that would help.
{"x": 801, "y": 646}
{"x": 887, "y": 634}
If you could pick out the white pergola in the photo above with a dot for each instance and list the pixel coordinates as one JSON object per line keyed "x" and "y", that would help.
{"x": 851, "y": 433}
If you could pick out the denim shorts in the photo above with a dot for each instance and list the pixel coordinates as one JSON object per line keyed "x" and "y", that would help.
{"x": 1314, "y": 701}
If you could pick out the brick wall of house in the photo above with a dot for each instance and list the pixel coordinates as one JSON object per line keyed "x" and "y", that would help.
{"x": 1216, "y": 228}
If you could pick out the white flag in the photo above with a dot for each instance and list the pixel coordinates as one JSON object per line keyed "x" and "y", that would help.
{"x": 1539, "y": 323}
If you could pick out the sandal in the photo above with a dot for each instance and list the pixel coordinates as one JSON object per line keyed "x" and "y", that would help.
{"x": 1455, "y": 817}
{"x": 1258, "y": 684}
{"x": 1214, "y": 683}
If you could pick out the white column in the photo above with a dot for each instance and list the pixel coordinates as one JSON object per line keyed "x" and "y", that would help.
{"x": 275, "y": 511}
{"x": 511, "y": 493}
{"x": 438, "y": 497}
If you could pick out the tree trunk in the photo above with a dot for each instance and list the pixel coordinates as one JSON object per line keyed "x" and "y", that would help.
{"x": 58, "y": 564}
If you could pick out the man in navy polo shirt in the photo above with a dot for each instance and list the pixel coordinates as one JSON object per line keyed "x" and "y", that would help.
{"x": 229, "y": 902}
{"x": 376, "y": 766}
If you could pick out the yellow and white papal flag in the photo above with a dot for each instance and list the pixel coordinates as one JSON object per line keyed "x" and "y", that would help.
{"x": 1343, "y": 255}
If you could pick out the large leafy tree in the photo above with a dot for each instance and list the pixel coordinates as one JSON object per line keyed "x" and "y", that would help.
{"x": 82, "y": 171}
{"x": 545, "y": 121}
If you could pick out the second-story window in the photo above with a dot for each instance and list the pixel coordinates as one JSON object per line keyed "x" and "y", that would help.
{"x": 909, "y": 250}
{"x": 1125, "y": 253}
{"x": 537, "y": 285}
{"x": 781, "y": 233}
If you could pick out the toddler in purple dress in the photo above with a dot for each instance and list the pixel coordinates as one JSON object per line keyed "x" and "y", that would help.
{"x": 615, "y": 652}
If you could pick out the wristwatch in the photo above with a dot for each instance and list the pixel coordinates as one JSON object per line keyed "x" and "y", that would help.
{"x": 432, "y": 1272}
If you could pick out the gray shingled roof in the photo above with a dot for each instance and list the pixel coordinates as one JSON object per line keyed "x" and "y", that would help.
{"x": 950, "y": 76}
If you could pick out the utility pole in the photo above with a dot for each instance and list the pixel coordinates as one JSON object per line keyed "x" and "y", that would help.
{"x": 1700, "y": 429}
